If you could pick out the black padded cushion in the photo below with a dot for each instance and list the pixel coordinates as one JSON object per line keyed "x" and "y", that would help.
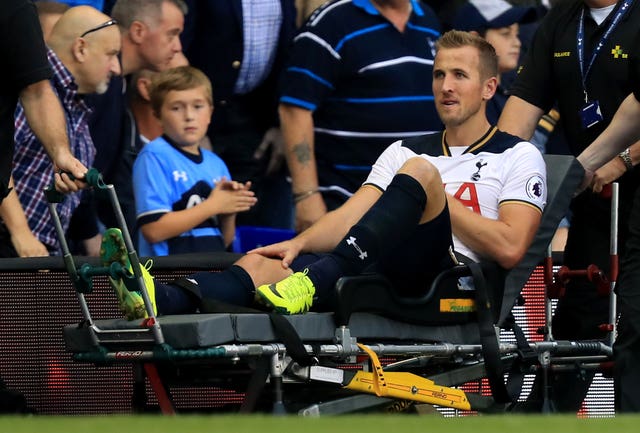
{"x": 180, "y": 332}
{"x": 374, "y": 328}
{"x": 256, "y": 328}
{"x": 196, "y": 331}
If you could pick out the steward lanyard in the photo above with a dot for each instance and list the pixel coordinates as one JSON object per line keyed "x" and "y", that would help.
{"x": 620, "y": 13}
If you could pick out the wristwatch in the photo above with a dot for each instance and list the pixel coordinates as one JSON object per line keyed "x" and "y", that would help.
{"x": 625, "y": 156}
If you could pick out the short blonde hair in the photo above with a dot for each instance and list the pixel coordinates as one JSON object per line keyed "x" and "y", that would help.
{"x": 180, "y": 78}
{"x": 486, "y": 52}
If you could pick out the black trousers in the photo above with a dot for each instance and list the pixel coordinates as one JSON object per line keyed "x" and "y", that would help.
{"x": 626, "y": 351}
{"x": 236, "y": 144}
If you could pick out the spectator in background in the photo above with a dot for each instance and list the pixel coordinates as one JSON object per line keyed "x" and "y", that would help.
{"x": 147, "y": 124}
{"x": 241, "y": 46}
{"x": 358, "y": 78}
{"x": 25, "y": 76}
{"x": 144, "y": 126}
{"x": 150, "y": 39}
{"x": 49, "y": 12}
{"x": 579, "y": 58}
{"x": 498, "y": 22}
{"x": 83, "y": 49}
{"x": 185, "y": 199}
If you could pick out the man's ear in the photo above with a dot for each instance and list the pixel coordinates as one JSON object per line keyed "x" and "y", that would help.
{"x": 490, "y": 87}
{"x": 142, "y": 86}
{"x": 137, "y": 32}
{"x": 79, "y": 50}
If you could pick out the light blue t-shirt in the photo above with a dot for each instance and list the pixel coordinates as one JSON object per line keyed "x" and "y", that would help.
{"x": 166, "y": 179}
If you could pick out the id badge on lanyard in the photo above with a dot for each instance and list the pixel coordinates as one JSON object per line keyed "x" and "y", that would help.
{"x": 590, "y": 113}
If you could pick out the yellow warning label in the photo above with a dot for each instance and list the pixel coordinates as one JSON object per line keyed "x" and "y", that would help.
{"x": 457, "y": 305}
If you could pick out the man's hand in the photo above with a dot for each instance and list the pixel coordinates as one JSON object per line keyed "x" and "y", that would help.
{"x": 64, "y": 163}
{"x": 308, "y": 211}
{"x": 286, "y": 250}
{"x": 608, "y": 173}
{"x": 586, "y": 181}
{"x": 273, "y": 140}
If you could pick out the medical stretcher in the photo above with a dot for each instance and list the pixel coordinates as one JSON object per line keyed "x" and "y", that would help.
{"x": 329, "y": 363}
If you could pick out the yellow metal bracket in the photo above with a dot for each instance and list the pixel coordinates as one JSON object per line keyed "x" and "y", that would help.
{"x": 405, "y": 386}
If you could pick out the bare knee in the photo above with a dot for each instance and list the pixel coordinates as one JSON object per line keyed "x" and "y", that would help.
{"x": 251, "y": 262}
{"x": 261, "y": 269}
{"x": 429, "y": 178}
{"x": 422, "y": 171}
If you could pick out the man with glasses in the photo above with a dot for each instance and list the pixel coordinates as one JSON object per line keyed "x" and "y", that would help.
{"x": 83, "y": 49}
{"x": 24, "y": 75}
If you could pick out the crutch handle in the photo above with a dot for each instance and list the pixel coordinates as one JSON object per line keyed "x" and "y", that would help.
{"x": 93, "y": 178}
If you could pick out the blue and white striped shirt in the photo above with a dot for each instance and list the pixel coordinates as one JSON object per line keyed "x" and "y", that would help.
{"x": 367, "y": 83}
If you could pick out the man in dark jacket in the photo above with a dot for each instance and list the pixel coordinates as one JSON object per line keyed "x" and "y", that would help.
{"x": 241, "y": 46}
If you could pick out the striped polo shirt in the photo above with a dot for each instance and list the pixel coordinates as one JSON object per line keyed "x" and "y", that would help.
{"x": 367, "y": 83}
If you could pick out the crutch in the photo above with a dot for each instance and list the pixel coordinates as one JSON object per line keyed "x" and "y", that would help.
{"x": 82, "y": 278}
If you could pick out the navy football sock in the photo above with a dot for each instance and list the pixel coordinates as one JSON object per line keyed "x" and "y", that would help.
{"x": 388, "y": 223}
{"x": 171, "y": 299}
{"x": 233, "y": 286}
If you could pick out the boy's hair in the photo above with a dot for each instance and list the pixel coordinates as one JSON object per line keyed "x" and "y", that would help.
{"x": 146, "y": 11}
{"x": 486, "y": 52}
{"x": 180, "y": 78}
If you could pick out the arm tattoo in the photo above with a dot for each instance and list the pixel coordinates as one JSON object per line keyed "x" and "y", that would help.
{"x": 302, "y": 152}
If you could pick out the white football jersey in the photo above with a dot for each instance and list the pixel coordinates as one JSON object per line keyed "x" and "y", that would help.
{"x": 499, "y": 168}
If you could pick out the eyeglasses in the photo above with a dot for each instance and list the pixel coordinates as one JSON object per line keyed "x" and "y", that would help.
{"x": 109, "y": 23}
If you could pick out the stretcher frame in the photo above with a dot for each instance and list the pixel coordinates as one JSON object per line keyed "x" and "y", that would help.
{"x": 426, "y": 371}
{"x": 604, "y": 284}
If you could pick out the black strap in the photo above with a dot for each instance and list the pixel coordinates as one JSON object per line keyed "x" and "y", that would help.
{"x": 282, "y": 328}
{"x": 526, "y": 357}
{"x": 488, "y": 338}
